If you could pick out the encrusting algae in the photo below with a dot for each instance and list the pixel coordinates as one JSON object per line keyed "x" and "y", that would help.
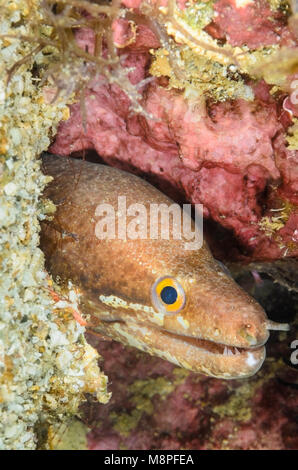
{"x": 46, "y": 365}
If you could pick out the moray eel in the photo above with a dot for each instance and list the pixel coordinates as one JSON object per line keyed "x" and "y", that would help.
{"x": 152, "y": 294}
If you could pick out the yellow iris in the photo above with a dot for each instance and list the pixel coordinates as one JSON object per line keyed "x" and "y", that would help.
{"x": 168, "y": 295}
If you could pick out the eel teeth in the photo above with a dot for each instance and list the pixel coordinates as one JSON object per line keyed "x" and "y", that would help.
{"x": 229, "y": 352}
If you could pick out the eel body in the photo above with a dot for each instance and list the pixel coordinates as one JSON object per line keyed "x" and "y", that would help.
{"x": 209, "y": 325}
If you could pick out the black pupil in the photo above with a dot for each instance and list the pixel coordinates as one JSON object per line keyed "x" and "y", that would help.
{"x": 169, "y": 295}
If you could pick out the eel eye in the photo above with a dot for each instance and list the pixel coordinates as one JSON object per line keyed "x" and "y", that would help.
{"x": 168, "y": 295}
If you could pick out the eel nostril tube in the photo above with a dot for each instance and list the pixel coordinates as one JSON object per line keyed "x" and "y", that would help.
{"x": 272, "y": 325}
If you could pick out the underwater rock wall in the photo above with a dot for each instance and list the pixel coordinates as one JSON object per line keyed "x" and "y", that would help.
{"x": 46, "y": 365}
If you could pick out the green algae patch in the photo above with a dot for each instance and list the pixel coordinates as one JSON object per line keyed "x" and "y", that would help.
{"x": 279, "y": 5}
{"x": 124, "y": 423}
{"x": 148, "y": 388}
{"x": 292, "y": 137}
{"x": 142, "y": 392}
{"x": 71, "y": 435}
{"x": 198, "y": 14}
{"x": 239, "y": 404}
{"x": 201, "y": 77}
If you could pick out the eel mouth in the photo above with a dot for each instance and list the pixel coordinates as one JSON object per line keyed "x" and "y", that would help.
{"x": 214, "y": 358}
{"x": 212, "y": 347}
{"x": 198, "y": 355}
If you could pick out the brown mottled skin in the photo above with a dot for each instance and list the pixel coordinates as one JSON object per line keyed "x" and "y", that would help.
{"x": 217, "y": 311}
